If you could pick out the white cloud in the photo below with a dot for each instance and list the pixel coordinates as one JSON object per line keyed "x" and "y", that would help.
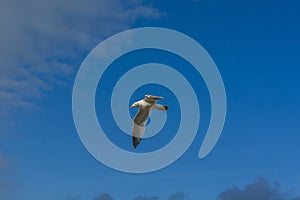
{"x": 145, "y": 198}
{"x": 178, "y": 196}
{"x": 104, "y": 196}
{"x": 40, "y": 39}
{"x": 260, "y": 189}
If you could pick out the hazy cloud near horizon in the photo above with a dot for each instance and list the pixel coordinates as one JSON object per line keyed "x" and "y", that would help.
{"x": 178, "y": 196}
{"x": 175, "y": 196}
{"x": 104, "y": 196}
{"x": 260, "y": 189}
{"x": 145, "y": 198}
{"x": 41, "y": 40}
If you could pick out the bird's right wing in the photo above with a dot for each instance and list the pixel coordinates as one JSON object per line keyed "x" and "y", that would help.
{"x": 138, "y": 127}
{"x": 152, "y": 99}
{"x": 137, "y": 134}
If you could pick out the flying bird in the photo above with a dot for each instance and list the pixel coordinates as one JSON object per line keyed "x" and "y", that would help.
{"x": 145, "y": 106}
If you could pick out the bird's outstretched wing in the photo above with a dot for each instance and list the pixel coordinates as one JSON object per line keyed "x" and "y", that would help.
{"x": 159, "y": 107}
{"x": 137, "y": 134}
{"x": 138, "y": 128}
{"x": 152, "y": 99}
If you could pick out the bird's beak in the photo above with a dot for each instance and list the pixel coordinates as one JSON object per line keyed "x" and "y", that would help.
{"x": 132, "y": 106}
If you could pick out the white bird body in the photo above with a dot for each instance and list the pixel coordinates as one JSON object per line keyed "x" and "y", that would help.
{"x": 145, "y": 106}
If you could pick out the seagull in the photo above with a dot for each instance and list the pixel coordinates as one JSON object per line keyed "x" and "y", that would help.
{"x": 145, "y": 106}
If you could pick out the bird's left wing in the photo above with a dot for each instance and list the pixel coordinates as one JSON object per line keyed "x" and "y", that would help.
{"x": 159, "y": 107}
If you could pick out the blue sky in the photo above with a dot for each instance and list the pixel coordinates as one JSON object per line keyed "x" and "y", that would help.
{"x": 255, "y": 45}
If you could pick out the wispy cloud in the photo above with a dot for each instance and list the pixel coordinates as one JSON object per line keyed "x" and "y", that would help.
{"x": 43, "y": 41}
{"x": 145, "y": 198}
{"x": 178, "y": 196}
{"x": 175, "y": 196}
{"x": 260, "y": 189}
{"x": 104, "y": 196}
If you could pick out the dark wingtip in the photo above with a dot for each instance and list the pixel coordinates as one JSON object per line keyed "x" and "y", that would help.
{"x": 135, "y": 141}
{"x": 166, "y": 108}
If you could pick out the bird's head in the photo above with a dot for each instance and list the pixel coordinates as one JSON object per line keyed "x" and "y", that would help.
{"x": 135, "y": 104}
